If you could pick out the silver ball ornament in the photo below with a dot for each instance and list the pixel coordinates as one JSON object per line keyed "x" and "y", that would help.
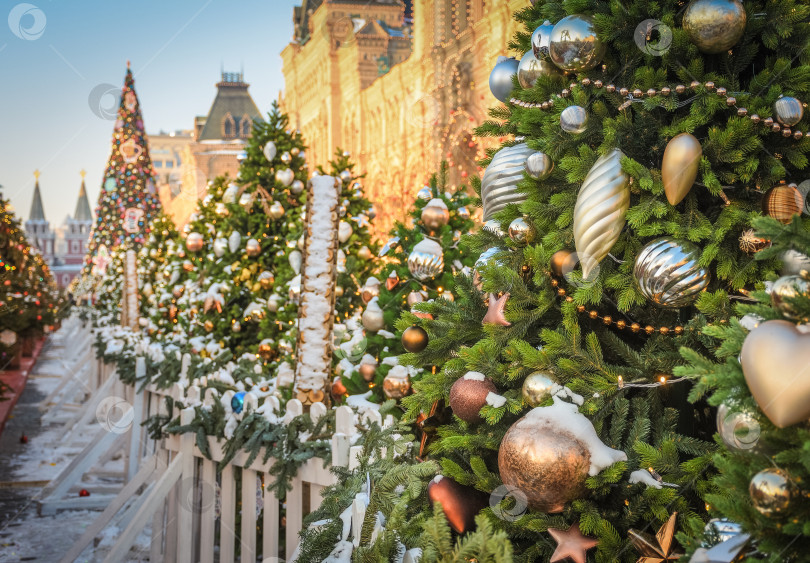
{"x": 788, "y": 110}
{"x": 520, "y": 231}
{"x": 574, "y": 120}
{"x": 269, "y": 150}
{"x": 424, "y": 193}
{"x": 500, "y": 79}
{"x": 794, "y": 263}
{"x": 574, "y": 46}
{"x": 286, "y": 158}
{"x": 541, "y": 39}
{"x": 785, "y": 288}
{"x": 668, "y": 274}
{"x": 297, "y": 187}
{"x": 539, "y": 165}
{"x": 426, "y": 260}
{"x": 345, "y": 176}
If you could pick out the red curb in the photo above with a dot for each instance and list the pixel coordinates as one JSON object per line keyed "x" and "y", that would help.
{"x": 16, "y": 379}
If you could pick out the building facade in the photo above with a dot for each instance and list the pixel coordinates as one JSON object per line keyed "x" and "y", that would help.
{"x": 63, "y": 248}
{"x": 212, "y": 149}
{"x": 400, "y": 85}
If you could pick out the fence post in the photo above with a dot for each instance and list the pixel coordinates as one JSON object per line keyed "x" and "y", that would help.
{"x": 185, "y": 512}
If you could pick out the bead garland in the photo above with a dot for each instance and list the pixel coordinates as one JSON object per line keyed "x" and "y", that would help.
{"x": 621, "y": 324}
{"x": 638, "y": 95}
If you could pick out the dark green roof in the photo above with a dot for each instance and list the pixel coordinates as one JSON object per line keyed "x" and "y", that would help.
{"x": 37, "y": 211}
{"x": 232, "y": 97}
{"x": 82, "y": 212}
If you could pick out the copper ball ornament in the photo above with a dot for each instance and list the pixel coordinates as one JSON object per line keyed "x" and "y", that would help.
{"x": 459, "y": 503}
{"x": 435, "y": 215}
{"x": 789, "y": 287}
{"x": 194, "y": 242}
{"x": 266, "y": 279}
{"x": 548, "y": 466}
{"x": 714, "y": 26}
{"x": 771, "y": 491}
{"x": 338, "y": 388}
{"x": 367, "y": 371}
{"x": 414, "y": 339}
{"x": 468, "y": 394}
{"x": 253, "y": 248}
{"x": 396, "y": 384}
{"x": 563, "y": 262}
{"x": 782, "y": 202}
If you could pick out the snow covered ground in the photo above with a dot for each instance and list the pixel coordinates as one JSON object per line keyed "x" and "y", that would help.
{"x": 26, "y": 467}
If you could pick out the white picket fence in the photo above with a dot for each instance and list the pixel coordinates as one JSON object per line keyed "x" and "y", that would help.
{"x": 171, "y": 487}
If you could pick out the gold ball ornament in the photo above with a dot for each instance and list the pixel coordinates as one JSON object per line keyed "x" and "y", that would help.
{"x": 266, "y": 279}
{"x": 789, "y": 287}
{"x": 188, "y": 266}
{"x": 236, "y": 326}
{"x": 339, "y": 291}
{"x": 338, "y": 389}
{"x": 549, "y": 467}
{"x": 276, "y": 210}
{"x": 771, "y": 491}
{"x": 530, "y": 68}
{"x": 364, "y": 253}
{"x": 537, "y": 388}
{"x": 208, "y": 326}
{"x": 178, "y": 291}
{"x": 194, "y": 242}
{"x": 521, "y": 232}
{"x": 253, "y": 248}
{"x": 435, "y": 215}
{"x": 574, "y": 45}
{"x": 714, "y": 26}
{"x": 415, "y": 297}
{"x": 788, "y": 110}
{"x": 414, "y": 339}
{"x": 680, "y": 166}
{"x": 266, "y": 350}
{"x": 469, "y": 394}
{"x": 782, "y": 202}
{"x": 774, "y": 359}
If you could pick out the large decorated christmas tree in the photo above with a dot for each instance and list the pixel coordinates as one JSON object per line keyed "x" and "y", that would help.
{"x": 128, "y": 200}
{"x": 645, "y": 140}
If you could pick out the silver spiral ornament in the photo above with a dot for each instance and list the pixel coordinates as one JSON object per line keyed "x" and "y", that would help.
{"x": 668, "y": 274}
{"x": 426, "y": 260}
{"x": 499, "y": 184}
{"x": 600, "y": 211}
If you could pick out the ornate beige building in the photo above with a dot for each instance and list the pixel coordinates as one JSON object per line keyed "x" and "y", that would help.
{"x": 400, "y": 85}
{"x": 187, "y": 160}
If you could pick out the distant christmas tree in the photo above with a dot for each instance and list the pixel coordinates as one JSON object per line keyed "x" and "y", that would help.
{"x": 128, "y": 200}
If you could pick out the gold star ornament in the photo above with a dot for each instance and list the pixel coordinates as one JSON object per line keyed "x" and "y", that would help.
{"x": 660, "y": 549}
{"x": 571, "y": 544}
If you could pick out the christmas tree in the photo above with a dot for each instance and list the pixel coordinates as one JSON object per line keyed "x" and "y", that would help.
{"x": 155, "y": 271}
{"x": 758, "y": 384}
{"x": 646, "y": 139}
{"x": 419, "y": 262}
{"x": 128, "y": 199}
{"x": 29, "y": 298}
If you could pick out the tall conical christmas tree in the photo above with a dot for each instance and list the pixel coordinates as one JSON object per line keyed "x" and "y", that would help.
{"x": 128, "y": 200}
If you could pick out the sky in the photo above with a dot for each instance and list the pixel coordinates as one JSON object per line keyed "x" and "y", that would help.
{"x": 58, "y": 60}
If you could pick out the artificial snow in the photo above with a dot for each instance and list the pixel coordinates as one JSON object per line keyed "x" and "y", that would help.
{"x": 565, "y": 418}
{"x": 644, "y": 476}
{"x": 495, "y": 400}
{"x": 475, "y": 376}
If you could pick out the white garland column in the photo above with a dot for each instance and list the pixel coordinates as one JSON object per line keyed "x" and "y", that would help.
{"x": 129, "y": 313}
{"x": 316, "y": 314}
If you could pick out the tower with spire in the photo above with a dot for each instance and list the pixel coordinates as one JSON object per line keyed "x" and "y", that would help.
{"x": 38, "y": 229}
{"x": 78, "y": 227}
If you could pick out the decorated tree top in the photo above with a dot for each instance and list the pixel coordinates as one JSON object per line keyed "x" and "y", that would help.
{"x": 128, "y": 200}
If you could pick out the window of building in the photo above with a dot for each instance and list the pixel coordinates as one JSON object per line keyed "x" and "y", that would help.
{"x": 158, "y": 164}
{"x": 169, "y": 164}
{"x": 228, "y": 126}
{"x": 245, "y": 125}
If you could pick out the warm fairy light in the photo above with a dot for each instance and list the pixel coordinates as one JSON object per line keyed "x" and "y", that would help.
{"x": 662, "y": 379}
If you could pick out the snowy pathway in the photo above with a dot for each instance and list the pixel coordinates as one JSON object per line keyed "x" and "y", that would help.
{"x": 26, "y": 467}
